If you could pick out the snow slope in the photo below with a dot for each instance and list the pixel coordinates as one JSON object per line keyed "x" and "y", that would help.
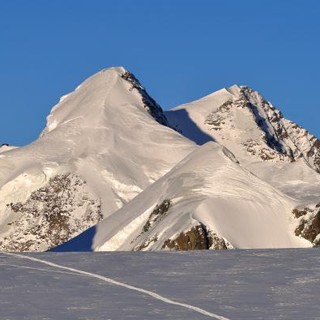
{"x": 206, "y": 201}
{"x": 104, "y": 144}
{"x": 238, "y": 284}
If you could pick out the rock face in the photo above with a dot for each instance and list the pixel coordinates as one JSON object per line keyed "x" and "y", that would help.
{"x": 197, "y": 238}
{"x": 156, "y": 215}
{"x": 286, "y": 137}
{"x": 308, "y": 224}
{"x": 194, "y": 239}
{"x": 148, "y": 102}
{"x": 51, "y": 215}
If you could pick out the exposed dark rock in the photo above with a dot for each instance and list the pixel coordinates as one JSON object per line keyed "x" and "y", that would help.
{"x": 314, "y": 153}
{"x": 197, "y": 238}
{"x": 193, "y": 239}
{"x": 217, "y": 243}
{"x": 217, "y": 118}
{"x": 312, "y": 228}
{"x": 273, "y": 118}
{"x": 158, "y": 212}
{"x": 309, "y": 224}
{"x": 299, "y": 213}
{"x": 146, "y": 244}
{"x": 149, "y": 104}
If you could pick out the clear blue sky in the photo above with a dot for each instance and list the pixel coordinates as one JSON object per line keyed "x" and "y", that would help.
{"x": 180, "y": 50}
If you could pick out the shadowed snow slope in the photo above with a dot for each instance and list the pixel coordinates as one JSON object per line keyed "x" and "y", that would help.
{"x": 104, "y": 136}
{"x": 209, "y": 196}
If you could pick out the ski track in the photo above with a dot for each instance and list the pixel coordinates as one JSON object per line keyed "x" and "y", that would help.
{"x": 37, "y": 269}
{"x": 121, "y": 284}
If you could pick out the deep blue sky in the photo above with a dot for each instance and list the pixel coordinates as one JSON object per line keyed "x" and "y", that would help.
{"x": 180, "y": 50}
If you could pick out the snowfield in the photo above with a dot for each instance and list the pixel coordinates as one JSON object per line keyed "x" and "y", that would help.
{"x": 236, "y": 284}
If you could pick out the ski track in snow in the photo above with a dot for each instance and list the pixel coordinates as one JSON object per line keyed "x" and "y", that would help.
{"x": 120, "y": 284}
{"x": 37, "y": 269}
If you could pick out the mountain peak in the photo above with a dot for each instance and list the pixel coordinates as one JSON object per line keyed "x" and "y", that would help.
{"x": 103, "y": 145}
{"x": 246, "y": 123}
{"x": 235, "y": 90}
{"x": 98, "y": 97}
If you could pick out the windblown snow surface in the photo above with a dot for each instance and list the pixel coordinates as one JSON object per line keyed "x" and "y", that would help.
{"x": 207, "y": 188}
{"x": 235, "y": 284}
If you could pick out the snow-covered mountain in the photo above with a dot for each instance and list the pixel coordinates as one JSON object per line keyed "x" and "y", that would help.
{"x": 242, "y": 120}
{"x": 103, "y": 144}
{"x": 225, "y": 171}
{"x": 272, "y": 147}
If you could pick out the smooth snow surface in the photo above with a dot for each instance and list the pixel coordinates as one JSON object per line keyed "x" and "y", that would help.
{"x": 240, "y": 284}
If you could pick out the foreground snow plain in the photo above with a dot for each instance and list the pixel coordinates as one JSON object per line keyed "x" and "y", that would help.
{"x": 235, "y": 284}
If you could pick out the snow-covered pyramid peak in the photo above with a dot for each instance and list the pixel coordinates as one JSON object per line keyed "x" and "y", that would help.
{"x": 87, "y": 102}
{"x": 103, "y": 144}
{"x": 242, "y": 120}
{"x": 92, "y": 101}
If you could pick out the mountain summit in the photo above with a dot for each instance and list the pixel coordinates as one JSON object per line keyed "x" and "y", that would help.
{"x": 275, "y": 149}
{"x": 92, "y": 103}
{"x": 103, "y": 144}
{"x": 112, "y": 171}
{"x": 241, "y": 119}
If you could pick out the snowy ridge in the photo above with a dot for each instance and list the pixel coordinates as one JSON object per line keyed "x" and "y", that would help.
{"x": 206, "y": 192}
